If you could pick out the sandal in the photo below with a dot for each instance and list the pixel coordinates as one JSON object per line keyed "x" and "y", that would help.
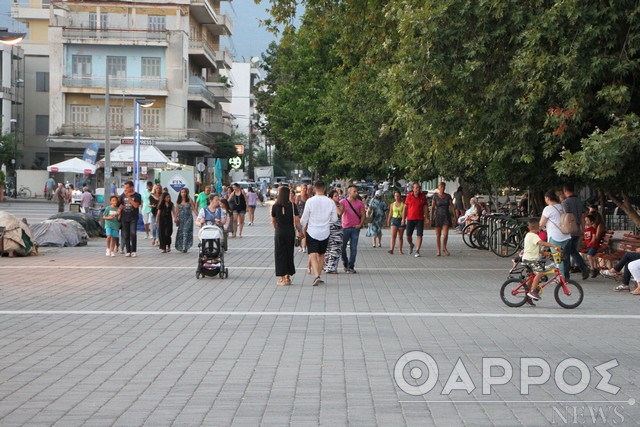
{"x": 636, "y": 291}
{"x": 281, "y": 282}
{"x": 621, "y": 288}
{"x": 446, "y": 252}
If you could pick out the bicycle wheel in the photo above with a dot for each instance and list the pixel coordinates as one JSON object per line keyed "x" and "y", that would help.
{"x": 514, "y": 293}
{"x": 480, "y": 237}
{"x": 505, "y": 241}
{"x": 466, "y": 234}
{"x": 570, "y": 299}
{"x": 26, "y": 193}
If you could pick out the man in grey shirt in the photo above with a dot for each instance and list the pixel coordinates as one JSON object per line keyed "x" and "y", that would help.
{"x": 572, "y": 204}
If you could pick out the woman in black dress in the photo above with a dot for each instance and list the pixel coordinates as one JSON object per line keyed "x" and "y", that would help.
{"x": 164, "y": 220}
{"x": 285, "y": 220}
{"x": 441, "y": 211}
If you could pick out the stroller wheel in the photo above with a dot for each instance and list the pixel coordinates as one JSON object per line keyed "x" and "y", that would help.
{"x": 197, "y": 274}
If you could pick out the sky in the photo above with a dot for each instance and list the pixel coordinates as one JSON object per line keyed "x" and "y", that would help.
{"x": 248, "y": 39}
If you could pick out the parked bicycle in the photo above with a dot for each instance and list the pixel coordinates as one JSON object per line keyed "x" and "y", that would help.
{"x": 10, "y": 191}
{"x": 567, "y": 293}
{"x": 508, "y": 239}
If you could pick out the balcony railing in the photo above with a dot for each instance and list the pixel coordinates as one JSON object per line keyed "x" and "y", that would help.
{"x": 115, "y": 82}
{"x": 197, "y": 86}
{"x": 216, "y": 127}
{"x": 204, "y": 45}
{"x": 98, "y": 132}
{"x": 123, "y": 34}
{"x": 224, "y": 56}
{"x": 220, "y": 91}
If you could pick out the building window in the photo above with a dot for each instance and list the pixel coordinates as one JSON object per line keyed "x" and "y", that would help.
{"x": 103, "y": 21}
{"x": 149, "y": 118}
{"x": 115, "y": 117}
{"x": 80, "y": 115}
{"x": 157, "y": 23}
{"x": 117, "y": 70}
{"x": 92, "y": 20}
{"x": 42, "y": 125}
{"x": 81, "y": 65}
{"x": 150, "y": 68}
{"x": 42, "y": 81}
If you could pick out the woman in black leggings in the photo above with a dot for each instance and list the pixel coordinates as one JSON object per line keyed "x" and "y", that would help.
{"x": 617, "y": 269}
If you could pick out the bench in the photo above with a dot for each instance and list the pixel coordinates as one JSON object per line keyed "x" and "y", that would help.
{"x": 629, "y": 243}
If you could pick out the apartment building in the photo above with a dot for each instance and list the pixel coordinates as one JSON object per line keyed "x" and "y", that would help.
{"x": 12, "y": 92}
{"x": 165, "y": 51}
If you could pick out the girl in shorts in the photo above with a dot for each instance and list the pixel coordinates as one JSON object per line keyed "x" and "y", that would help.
{"x": 394, "y": 221}
{"x": 111, "y": 225}
{"x": 252, "y": 201}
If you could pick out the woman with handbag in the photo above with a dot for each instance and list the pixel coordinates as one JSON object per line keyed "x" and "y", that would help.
{"x": 441, "y": 211}
{"x": 285, "y": 220}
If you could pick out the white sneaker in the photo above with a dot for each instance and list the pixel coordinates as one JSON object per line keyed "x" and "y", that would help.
{"x": 127, "y": 254}
{"x": 146, "y": 237}
{"x": 133, "y": 254}
{"x": 417, "y": 255}
{"x": 113, "y": 253}
{"x": 108, "y": 252}
{"x": 122, "y": 250}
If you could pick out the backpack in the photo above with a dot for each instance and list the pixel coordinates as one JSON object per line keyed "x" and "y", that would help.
{"x": 568, "y": 224}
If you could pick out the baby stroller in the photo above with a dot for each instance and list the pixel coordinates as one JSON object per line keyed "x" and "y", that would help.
{"x": 210, "y": 253}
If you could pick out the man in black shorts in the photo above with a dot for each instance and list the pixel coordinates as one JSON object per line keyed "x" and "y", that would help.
{"x": 414, "y": 215}
{"x": 319, "y": 212}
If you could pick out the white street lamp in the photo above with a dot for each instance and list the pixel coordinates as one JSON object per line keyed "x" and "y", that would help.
{"x": 140, "y": 102}
{"x": 11, "y": 38}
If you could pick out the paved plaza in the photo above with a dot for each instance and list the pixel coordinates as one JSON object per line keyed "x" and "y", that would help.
{"x": 93, "y": 340}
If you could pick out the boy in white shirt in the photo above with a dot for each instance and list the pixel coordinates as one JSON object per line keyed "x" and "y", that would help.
{"x": 531, "y": 256}
{"x": 319, "y": 212}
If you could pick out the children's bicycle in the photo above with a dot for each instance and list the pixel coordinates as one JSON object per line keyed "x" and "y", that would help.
{"x": 568, "y": 293}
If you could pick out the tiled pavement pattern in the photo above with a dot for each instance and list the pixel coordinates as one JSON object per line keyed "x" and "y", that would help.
{"x": 91, "y": 340}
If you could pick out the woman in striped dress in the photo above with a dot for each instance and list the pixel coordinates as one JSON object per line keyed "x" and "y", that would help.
{"x": 334, "y": 248}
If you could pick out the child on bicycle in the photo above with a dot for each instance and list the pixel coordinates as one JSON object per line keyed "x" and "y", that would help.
{"x": 531, "y": 256}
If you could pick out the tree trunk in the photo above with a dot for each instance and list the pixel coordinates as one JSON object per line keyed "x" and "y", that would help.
{"x": 624, "y": 203}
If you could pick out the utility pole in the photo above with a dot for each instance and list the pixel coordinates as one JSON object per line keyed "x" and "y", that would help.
{"x": 250, "y": 161}
{"x": 107, "y": 139}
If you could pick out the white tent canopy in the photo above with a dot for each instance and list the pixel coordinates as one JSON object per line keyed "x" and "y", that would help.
{"x": 150, "y": 156}
{"x": 74, "y": 165}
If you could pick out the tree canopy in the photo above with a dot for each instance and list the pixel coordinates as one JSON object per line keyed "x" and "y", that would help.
{"x": 522, "y": 93}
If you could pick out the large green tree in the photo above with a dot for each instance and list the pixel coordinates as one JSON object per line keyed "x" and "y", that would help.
{"x": 528, "y": 93}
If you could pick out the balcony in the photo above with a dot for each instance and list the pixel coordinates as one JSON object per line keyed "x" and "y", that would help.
{"x": 118, "y": 36}
{"x": 224, "y": 59}
{"x": 97, "y": 132}
{"x": 223, "y": 26}
{"x": 207, "y": 93}
{"x": 202, "y": 53}
{"x": 141, "y": 86}
{"x": 220, "y": 91}
{"x": 218, "y": 128}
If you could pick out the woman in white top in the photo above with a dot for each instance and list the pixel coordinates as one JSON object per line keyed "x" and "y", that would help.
{"x": 551, "y": 219}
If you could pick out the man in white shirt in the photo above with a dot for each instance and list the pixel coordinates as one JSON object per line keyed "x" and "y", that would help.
{"x": 319, "y": 212}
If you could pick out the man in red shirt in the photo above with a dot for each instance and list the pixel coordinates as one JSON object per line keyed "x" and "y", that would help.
{"x": 414, "y": 215}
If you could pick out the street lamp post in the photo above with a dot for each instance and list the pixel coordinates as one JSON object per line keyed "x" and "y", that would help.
{"x": 140, "y": 102}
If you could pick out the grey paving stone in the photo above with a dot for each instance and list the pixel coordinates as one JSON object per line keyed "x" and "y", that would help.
{"x": 122, "y": 368}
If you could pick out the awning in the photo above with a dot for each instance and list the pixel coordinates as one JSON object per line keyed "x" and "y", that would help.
{"x": 150, "y": 157}
{"x": 74, "y": 165}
